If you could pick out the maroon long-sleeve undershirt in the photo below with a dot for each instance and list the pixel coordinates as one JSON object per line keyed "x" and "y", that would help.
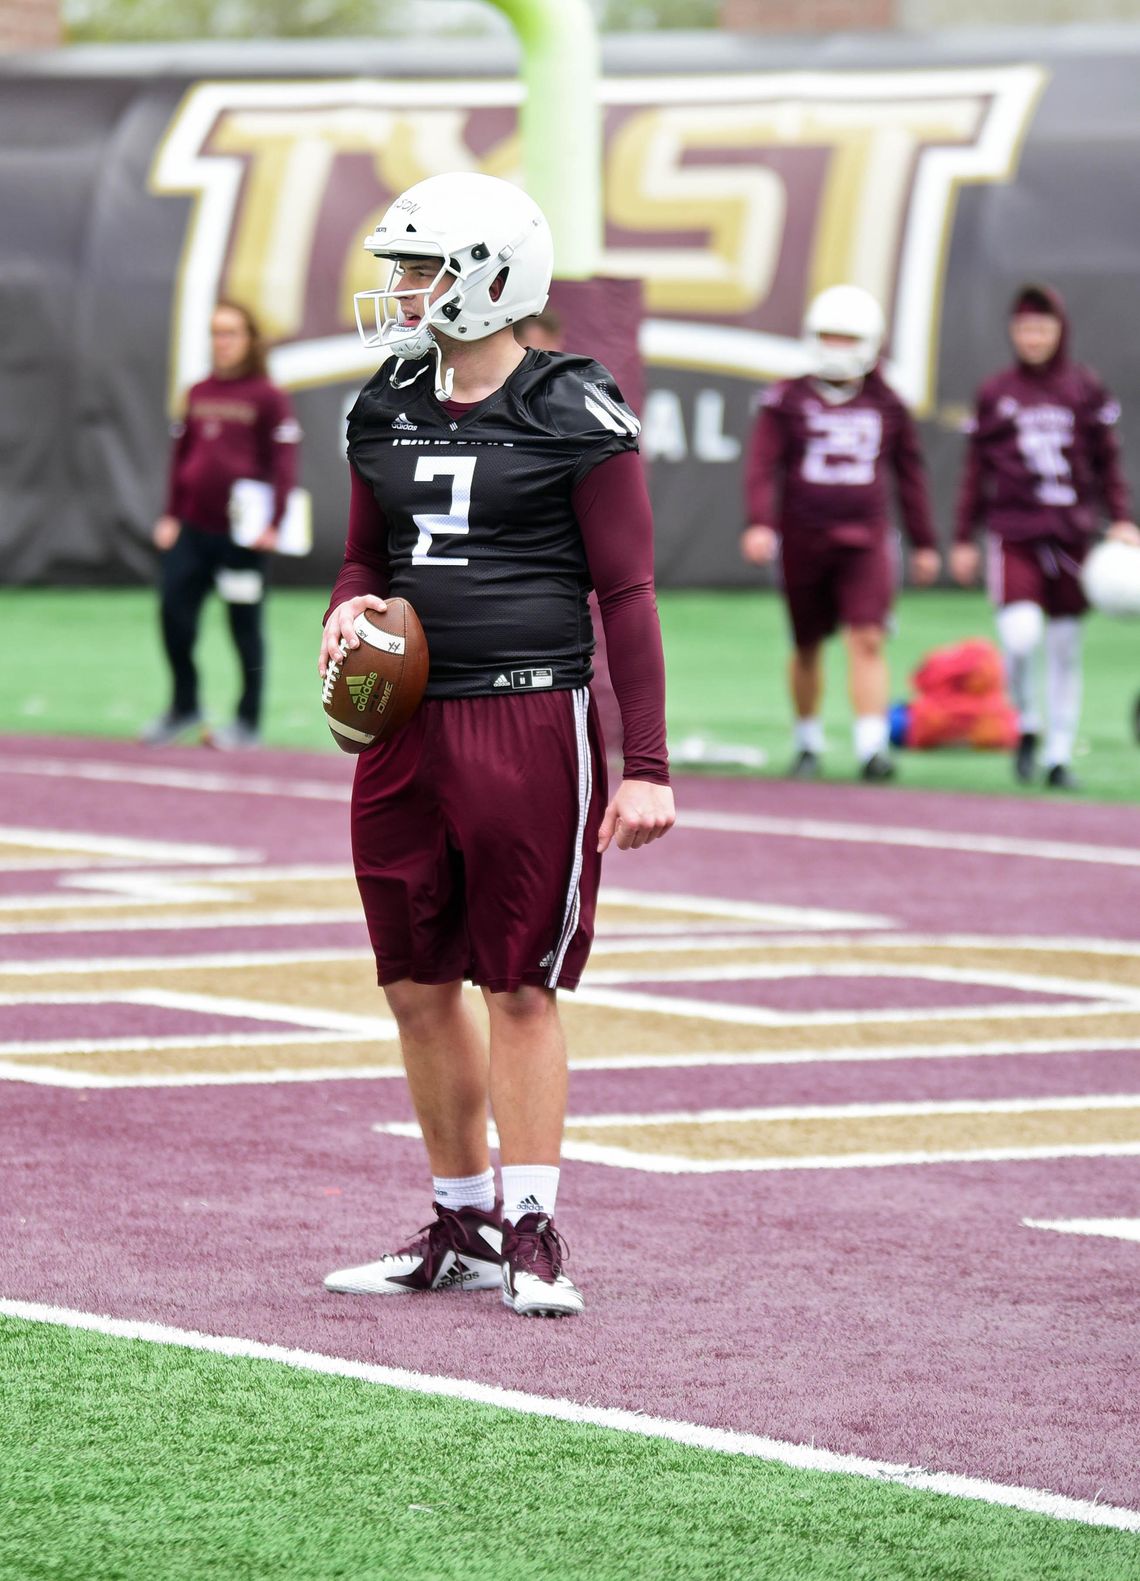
{"x": 611, "y": 505}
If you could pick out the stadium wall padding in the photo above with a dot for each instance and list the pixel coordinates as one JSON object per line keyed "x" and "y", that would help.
{"x": 741, "y": 175}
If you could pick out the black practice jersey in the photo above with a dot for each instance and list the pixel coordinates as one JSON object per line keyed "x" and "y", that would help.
{"x": 481, "y": 535}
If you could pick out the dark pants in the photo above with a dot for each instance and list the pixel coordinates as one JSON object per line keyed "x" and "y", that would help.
{"x": 199, "y": 562}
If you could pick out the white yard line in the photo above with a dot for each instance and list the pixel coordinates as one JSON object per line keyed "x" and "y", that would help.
{"x": 937, "y": 841}
{"x": 159, "y": 1045}
{"x": 121, "y": 847}
{"x": 216, "y": 1005}
{"x": 1113, "y": 1229}
{"x": 669, "y": 1164}
{"x": 51, "y": 1076}
{"x": 812, "y": 917}
{"x": 760, "y": 1016}
{"x": 862, "y": 1111}
{"x": 185, "y": 922}
{"x": 178, "y": 779}
{"x": 232, "y": 960}
{"x": 54, "y": 1076}
{"x": 859, "y": 1054}
{"x": 786, "y": 1113}
{"x": 804, "y": 1457}
{"x": 777, "y": 971}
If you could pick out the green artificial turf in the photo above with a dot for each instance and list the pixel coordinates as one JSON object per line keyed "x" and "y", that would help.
{"x": 122, "y": 1460}
{"x": 726, "y": 655}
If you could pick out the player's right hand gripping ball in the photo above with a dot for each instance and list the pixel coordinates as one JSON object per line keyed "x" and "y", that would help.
{"x": 375, "y": 689}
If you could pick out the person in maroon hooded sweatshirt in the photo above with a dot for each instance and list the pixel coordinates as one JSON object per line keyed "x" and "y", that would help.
{"x": 822, "y": 454}
{"x": 1042, "y": 462}
{"x": 237, "y": 424}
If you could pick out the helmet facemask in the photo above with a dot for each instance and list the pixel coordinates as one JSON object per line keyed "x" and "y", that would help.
{"x": 852, "y": 313}
{"x": 475, "y": 229}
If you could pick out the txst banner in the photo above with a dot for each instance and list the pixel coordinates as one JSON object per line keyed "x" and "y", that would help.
{"x": 139, "y": 185}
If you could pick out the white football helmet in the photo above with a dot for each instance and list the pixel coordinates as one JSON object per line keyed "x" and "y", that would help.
{"x": 844, "y": 310}
{"x": 478, "y": 228}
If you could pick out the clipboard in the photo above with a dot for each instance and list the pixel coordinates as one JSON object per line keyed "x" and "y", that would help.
{"x": 251, "y": 511}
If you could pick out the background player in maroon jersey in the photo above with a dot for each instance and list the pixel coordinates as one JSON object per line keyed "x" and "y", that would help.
{"x": 816, "y": 483}
{"x": 492, "y": 486}
{"x": 237, "y": 425}
{"x": 1042, "y": 460}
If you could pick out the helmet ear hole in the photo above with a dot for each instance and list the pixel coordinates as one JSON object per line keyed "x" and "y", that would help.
{"x": 498, "y": 285}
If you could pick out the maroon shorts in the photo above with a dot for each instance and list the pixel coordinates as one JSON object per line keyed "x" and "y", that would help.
{"x": 474, "y": 836}
{"x": 828, "y": 585}
{"x": 1036, "y": 571}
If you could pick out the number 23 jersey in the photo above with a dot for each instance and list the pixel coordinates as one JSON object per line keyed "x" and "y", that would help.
{"x": 481, "y": 536}
{"x": 831, "y": 464}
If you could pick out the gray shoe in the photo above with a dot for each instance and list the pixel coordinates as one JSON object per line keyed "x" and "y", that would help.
{"x": 168, "y": 728}
{"x": 235, "y": 737}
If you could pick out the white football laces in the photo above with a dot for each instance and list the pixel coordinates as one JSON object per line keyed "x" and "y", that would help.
{"x": 332, "y": 674}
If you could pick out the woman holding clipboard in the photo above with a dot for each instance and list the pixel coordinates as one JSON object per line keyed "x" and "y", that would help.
{"x": 238, "y": 428}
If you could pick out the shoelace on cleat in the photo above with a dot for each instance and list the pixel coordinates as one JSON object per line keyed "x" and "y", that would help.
{"x": 542, "y": 1251}
{"x": 447, "y": 1226}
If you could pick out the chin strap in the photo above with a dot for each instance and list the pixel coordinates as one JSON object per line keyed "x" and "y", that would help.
{"x": 444, "y": 382}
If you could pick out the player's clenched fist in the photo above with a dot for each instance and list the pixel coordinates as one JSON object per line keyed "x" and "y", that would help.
{"x": 639, "y": 812}
{"x": 758, "y": 544}
{"x": 338, "y": 627}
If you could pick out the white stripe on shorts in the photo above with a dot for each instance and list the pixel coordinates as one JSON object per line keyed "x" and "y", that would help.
{"x": 573, "y": 907}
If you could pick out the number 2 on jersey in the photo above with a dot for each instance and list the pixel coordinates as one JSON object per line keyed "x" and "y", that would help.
{"x": 458, "y": 520}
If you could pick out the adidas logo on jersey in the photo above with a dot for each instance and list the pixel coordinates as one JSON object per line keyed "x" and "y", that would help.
{"x": 402, "y": 422}
{"x": 502, "y": 680}
{"x": 610, "y": 413}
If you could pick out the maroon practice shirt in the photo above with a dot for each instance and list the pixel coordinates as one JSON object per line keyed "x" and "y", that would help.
{"x": 233, "y": 428}
{"x": 815, "y": 466}
{"x": 1043, "y": 457}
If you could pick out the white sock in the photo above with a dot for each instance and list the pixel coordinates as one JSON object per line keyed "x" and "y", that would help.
{"x": 1062, "y": 687}
{"x": 1020, "y": 628}
{"x": 809, "y": 735}
{"x": 529, "y": 1188}
{"x": 465, "y": 1191}
{"x": 870, "y": 736}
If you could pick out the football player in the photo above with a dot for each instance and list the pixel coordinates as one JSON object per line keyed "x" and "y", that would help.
{"x": 823, "y": 451}
{"x": 492, "y": 485}
{"x": 1042, "y": 460}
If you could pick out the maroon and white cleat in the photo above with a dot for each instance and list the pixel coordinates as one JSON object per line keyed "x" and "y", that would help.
{"x": 533, "y": 1282}
{"x": 460, "y": 1250}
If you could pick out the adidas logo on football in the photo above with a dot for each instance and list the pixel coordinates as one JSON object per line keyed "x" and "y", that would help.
{"x": 402, "y": 422}
{"x": 360, "y": 688}
{"x": 502, "y": 680}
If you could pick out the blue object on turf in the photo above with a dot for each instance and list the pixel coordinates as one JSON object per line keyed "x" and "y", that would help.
{"x": 899, "y": 720}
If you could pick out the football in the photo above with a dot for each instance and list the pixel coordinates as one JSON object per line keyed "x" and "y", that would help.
{"x": 376, "y": 688}
{"x": 1111, "y": 578}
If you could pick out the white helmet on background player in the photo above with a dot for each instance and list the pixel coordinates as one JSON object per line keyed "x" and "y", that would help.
{"x": 850, "y": 311}
{"x": 485, "y": 232}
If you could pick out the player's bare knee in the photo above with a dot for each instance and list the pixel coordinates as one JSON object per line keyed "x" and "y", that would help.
{"x": 528, "y": 1002}
{"x": 865, "y": 642}
{"x": 1020, "y": 626}
{"x": 422, "y": 1010}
